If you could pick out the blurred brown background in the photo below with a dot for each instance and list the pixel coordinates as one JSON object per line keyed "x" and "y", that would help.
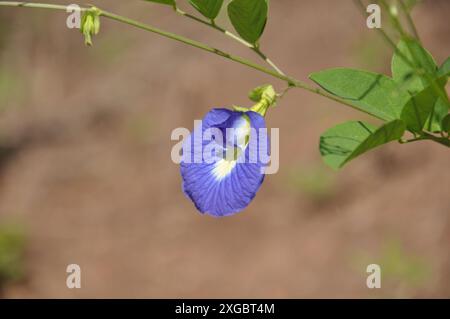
{"x": 86, "y": 175}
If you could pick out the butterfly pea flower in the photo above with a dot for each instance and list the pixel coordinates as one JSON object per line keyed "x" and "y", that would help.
{"x": 224, "y": 158}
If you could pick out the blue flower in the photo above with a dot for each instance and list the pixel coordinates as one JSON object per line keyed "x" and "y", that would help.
{"x": 222, "y": 165}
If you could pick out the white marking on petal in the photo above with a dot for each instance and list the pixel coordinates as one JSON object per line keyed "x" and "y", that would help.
{"x": 242, "y": 129}
{"x": 241, "y": 134}
{"x": 223, "y": 168}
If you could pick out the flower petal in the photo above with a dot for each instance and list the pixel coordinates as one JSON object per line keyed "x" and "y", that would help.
{"x": 221, "y": 187}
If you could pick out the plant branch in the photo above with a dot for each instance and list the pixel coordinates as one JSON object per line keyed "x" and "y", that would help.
{"x": 289, "y": 80}
{"x": 163, "y": 33}
{"x": 427, "y": 137}
{"x": 410, "y": 20}
{"x": 36, "y": 5}
{"x": 196, "y": 44}
{"x": 384, "y": 34}
{"x": 441, "y": 140}
{"x": 232, "y": 36}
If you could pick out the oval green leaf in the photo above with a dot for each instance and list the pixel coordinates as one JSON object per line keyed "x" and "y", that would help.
{"x": 440, "y": 110}
{"x": 404, "y": 73}
{"x": 372, "y": 93}
{"x": 208, "y": 8}
{"x": 346, "y": 141}
{"x": 424, "y": 107}
{"x": 249, "y": 18}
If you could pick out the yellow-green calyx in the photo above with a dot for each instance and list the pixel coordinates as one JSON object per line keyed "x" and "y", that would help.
{"x": 264, "y": 96}
{"x": 90, "y": 24}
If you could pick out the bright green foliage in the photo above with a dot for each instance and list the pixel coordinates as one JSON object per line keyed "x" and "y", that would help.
{"x": 436, "y": 116}
{"x": 414, "y": 99}
{"x": 208, "y": 8}
{"x": 418, "y": 109}
{"x": 168, "y": 2}
{"x": 346, "y": 141}
{"x": 406, "y": 72}
{"x": 416, "y": 75}
{"x": 249, "y": 18}
{"x": 373, "y": 93}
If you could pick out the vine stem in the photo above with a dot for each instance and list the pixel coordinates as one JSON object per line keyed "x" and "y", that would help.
{"x": 199, "y": 45}
{"x": 292, "y": 82}
{"x": 176, "y": 37}
{"x": 410, "y": 19}
{"x": 289, "y": 80}
{"x": 384, "y": 35}
{"x": 427, "y": 137}
{"x": 36, "y": 5}
{"x": 231, "y": 35}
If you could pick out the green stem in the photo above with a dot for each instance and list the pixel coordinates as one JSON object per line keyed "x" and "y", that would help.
{"x": 410, "y": 20}
{"x": 196, "y": 44}
{"x": 441, "y": 140}
{"x": 163, "y": 33}
{"x": 214, "y": 26}
{"x": 290, "y": 80}
{"x": 268, "y": 61}
{"x": 384, "y": 35}
{"x": 36, "y": 5}
{"x": 231, "y": 35}
{"x": 428, "y": 137}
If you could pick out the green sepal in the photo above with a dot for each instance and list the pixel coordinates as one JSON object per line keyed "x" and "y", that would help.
{"x": 90, "y": 24}
{"x": 265, "y": 97}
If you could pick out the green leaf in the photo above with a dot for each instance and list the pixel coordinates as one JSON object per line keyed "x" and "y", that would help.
{"x": 168, "y": 2}
{"x": 418, "y": 109}
{"x": 346, "y": 141}
{"x": 369, "y": 92}
{"x": 446, "y": 124}
{"x": 406, "y": 74}
{"x": 427, "y": 110}
{"x": 445, "y": 68}
{"x": 437, "y": 115}
{"x": 249, "y": 18}
{"x": 208, "y": 8}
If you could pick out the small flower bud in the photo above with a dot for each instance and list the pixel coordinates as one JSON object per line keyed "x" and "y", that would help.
{"x": 265, "y": 96}
{"x": 90, "y": 24}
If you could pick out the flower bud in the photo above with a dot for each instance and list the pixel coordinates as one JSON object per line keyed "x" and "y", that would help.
{"x": 90, "y": 24}
{"x": 265, "y": 96}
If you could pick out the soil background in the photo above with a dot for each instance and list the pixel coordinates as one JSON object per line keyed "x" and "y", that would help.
{"x": 86, "y": 166}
